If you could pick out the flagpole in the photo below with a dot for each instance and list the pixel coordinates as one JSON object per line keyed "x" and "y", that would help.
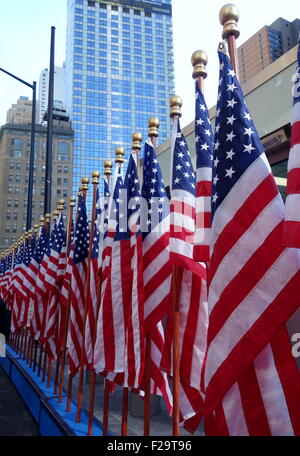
{"x": 60, "y": 208}
{"x": 107, "y": 383}
{"x": 55, "y": 217}
{"x": 153, "y": 135}
{"x": 66, "y": 319}
{"x": 47, "y": 228}
{"x": 229, "y": 18}
{"x": 84, "y": 189}
{"x": 46, "y": 357}
{"x": 175, "y": 113}
{"x": 199, "y": 62}
{"x": 42, "y": 224}
{"x": 95, "y": 182}
{"x": 31, "y": 339}
{"x": 107, "y": 173}
{"x": 28, "y": 240}
{"x": 136, "y": 147}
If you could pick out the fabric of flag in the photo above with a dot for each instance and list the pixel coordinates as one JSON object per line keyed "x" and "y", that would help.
{"x": 92, "y": 297}
{"x": 183, "y": 200}
{"x": 204, "y": 156}
{"x": 291, "y": 232}
{"x": 253, "y": 279}
{"x": 155, "y": 223}
{"x": 189, "y": 277}
{"x": 125, "y": 324}
{"x": 16, "y": 289}
{"x": 31, "y": 278}
{"x": 108, "y": 354}
{"x": 78, "y": 288}
{"x": 25, "y": 273}
{"x": 53, "y": 280}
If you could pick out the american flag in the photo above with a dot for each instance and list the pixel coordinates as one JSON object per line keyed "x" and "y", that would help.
{"x": 204, "y": 154}
{"x": 183, "y": 200}
{"x": 253, "y": 281}
{"x": 156, "y": 225}
{"x": 190, "y": 281}
{"x": 126, "y": 327}
{"x": 155, "y": 221}
{"x": 31, "y": 277}
{"x": 291, "y": 232}
{"x": 53, "y": 280}
{"x": 29, "y": 250}
{"x": 92, "y": 297}
{"x": 109, "y": 354}
{"x": 16, "y": 289}
{"x": 78, "y": 285}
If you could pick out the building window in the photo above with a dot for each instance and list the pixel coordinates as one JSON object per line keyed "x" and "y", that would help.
{"x": 7, "y": 228}
{"x": 63, "y": 152}
{"x": 66, "y": 169}
{"x": 9, "y": 203}
{"x": 16, "y": 203}
{"x": 59, "y": 169}
{"x": 15, "y": 216}
{"x": 15, "y": 228}
{"x": 59, "y": 181}
{"x": 8, "y": 215}
{"x": 10, "y": 190}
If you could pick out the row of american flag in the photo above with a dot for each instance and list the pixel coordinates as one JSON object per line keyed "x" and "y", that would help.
{"x": 225, "y": 244}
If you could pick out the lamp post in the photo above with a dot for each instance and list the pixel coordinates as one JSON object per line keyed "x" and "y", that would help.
{"x": 31, "y": 157}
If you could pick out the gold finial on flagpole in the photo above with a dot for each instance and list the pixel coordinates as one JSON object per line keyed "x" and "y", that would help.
{"x": 175, "y": 105}
{"x": 137, "y": 139}
{"x": 72, "y": 202}
{"x": 199, "y": 61}
{"x": 153, "y": 124}
{"x": 120, "y": 153}
{"x": 108, "y": 164}
{"x": 229, "y": 18}
{"x": 95, "y": 177}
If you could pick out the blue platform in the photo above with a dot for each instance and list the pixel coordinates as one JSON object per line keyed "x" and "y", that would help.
{"x": 51, "y": 416}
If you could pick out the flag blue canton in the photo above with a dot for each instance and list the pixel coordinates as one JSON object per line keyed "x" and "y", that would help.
{"x": 96, "y": 232}
{"x": 183, "y": 171}
{"x": 59, "y": 238}
{"x": 132, "y": 190}
{"x": 117, "y": 199}
{"x": 203, "y": 132}
{"x": 237, "y": 143}
{"x": 82, "y": 234}
{"x": 296, "y": 93}
{"x": 29, "y": 251}
{"x": 153, "y": 190}
{"x": 40, "y": 246}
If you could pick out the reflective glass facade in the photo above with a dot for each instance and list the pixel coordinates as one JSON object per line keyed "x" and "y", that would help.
{"x": 120, "y": 72}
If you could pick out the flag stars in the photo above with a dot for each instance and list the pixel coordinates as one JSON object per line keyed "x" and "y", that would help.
{"x": 200, "y": 122}
{"x": 230, "y": 155}
{"x": 215, "y": 198}
{"x": 230, "y": 172}
{"x": 247, "y": 116}
{"x": 249, "y": 132}
{"x": 230, "y": 137}
{"x": 231, "y": 87}
{"x": 231, "y": 103}
{"x": 215, "y": 180}
{"x": 248, "y": 148}
{"x": 231, "y": 120}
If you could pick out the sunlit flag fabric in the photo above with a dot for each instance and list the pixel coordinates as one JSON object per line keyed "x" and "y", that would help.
{"x": 53, "y": 281}
{"x": 156, "y": 225}
{"x": 204, "y": 156}
{"x": 183, "y": 200}
{"x": 291, "y": 232}
{"x": 33, "y": 270}
{"x": 253, "y": 281}
{"x": 24, "y": 279}
{"x": 78, "y": 285}
{"x": 127, "y": 284}
{"x": 190, "y": 281}
{"x": 92, "y": 297}
{"x": 110, "y": 318}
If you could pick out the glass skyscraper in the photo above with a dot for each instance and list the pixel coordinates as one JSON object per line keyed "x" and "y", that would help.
{"x": 120, "y": 72}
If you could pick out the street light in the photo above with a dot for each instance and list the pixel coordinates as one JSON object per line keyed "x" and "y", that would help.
{"x": 31, "y": 158}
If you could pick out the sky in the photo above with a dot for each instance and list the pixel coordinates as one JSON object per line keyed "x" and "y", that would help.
{"x": 25, "y": 41}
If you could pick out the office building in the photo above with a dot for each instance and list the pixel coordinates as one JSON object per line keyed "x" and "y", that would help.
{"x": 59, "y": 90}
{"x": 20, "y": 112}
{"x": 266, "y": 46}
{"x": 119, "y": 72}
{"x": 14, "y": 168}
